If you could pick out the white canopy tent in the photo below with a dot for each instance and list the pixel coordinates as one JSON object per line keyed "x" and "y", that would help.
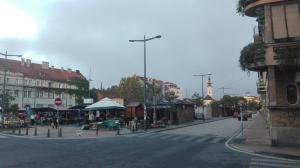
{"x": 104, "y": 104}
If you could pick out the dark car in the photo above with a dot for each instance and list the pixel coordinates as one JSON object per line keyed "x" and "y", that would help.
{"x": 245, "y": 117}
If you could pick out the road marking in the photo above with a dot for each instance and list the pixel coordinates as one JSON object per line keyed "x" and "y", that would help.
{"x": 202, "y": 139}
{"x": 190, "y": 138}
{"x": 274, "y": 165}
{"x": 179, "y": 137}
{"x": 167, "y": 137}
{"x": 144, "y": 135}
{"x": 274, "y": 161}
{"x": 216, "y": 140}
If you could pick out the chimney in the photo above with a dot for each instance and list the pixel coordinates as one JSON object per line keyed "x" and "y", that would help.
{"x": 45, "y": 65}
{"x": 28, "y": 62}
{"x": 52, "y": 67}
{"x": 22, "y": 61}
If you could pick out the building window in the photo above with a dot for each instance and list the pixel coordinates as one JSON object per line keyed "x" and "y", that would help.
{"x": 16, "y": 93}
{"x": 41, "y": 94}
{"x": 25, "y": 93}
{"x": 29, "y": 94}
{"x": 292, "y": 96}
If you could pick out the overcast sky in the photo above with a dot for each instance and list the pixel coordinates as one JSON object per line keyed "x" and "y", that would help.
{"x": 198, "y": 36}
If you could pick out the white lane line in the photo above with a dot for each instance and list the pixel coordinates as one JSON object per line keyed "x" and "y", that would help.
{"x": 274, "y": 161}
{"x": 203, "y": 139}
{"x": 274, "y": 165}
{"x": 179, "y": 137}
{"x": 168, "y": 136}
{"x": 190, "y": 139}
{"x": 144, "y": 135}
{"x": 216, "y": 140}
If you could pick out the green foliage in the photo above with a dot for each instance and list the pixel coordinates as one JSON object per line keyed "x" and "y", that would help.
{"x": 7, "y": 100}
{"x": 247, "y": 56}
{"x": 229, "y": 101}
{"x": 13, "y": 108}
{"x": 241, "y": 6}
{"x": 253, "y": 105}
{"x": 81, "y": 91}
{"x": 131, "y": 89}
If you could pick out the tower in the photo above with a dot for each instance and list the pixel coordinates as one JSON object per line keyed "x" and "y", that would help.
{"x": 209, "y": 88}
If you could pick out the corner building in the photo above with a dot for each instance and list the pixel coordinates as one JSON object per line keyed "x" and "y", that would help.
{"x": 278, "y": 56}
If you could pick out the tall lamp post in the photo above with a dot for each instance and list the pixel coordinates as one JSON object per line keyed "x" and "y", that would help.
{"x": 145, "y": 80}
{"x": 4, "y": 79}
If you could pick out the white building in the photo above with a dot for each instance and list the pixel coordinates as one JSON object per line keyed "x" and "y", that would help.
{"x": 37, "y": 85}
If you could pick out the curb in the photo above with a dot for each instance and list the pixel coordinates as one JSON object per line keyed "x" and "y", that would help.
{"x": 232, "y": 147}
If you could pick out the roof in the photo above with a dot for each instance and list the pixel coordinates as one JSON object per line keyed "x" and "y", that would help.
{"x": 133, "y": 104}
{"x": 105, "y": 103}
{"x": 208, "y": 97}
{"x": 37, "y": 72}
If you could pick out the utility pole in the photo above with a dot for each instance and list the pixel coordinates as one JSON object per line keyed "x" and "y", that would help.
{"x": 4, "y": 79}
{"x": 202, "y": 75}
{"x": 223, "y": 89}
{"x": 90, "y": 80}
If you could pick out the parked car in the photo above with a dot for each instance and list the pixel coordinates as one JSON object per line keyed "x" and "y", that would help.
{"x": 245, "y": 117}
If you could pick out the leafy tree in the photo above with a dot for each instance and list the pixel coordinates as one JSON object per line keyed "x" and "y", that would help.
{"x": 253, "y": 105}
{"x": 247, "y": 56}
{"x": 7, "y": 100}
{"x": 81, "y": 91}
{"x": 131, "y": 89}
{"x": 14, "y": 108}
{"x": 197, "y": 99}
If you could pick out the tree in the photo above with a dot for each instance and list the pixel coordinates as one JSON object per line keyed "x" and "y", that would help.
{"x": 253, "y": 105}
{"x": 82, "y": 90}
{"x": 131, "y": 89}
{"x": 14, "y": 108}
{"x": 247, "y": 56}
{"x": 7, "y": 100}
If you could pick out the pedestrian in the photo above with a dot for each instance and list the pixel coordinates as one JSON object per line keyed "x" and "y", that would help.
{"x": 55, "y": 123}
{"x": 32, "y": 119}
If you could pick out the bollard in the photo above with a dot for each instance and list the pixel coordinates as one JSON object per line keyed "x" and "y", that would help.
{"x": 48, "y": 133}
{"x": 59, "y": 133}
{"x": 13, "y": 131}
{"x": 118, "y": 131}
{"x": 26, "y": 130}
{"x": 35, "y": 131}
{"x": 97, "y": 131}
{"x": 19, "y": 130}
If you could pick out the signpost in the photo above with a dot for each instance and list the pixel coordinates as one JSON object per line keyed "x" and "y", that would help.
{"x": 57, "y": 102}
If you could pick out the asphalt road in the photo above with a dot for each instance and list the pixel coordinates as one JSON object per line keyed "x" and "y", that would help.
{"x": 148, "y": 150}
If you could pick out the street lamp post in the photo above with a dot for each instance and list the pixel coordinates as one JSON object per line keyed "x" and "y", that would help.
{"x": 145, "y": 80}
{"x": 4, "y": 79}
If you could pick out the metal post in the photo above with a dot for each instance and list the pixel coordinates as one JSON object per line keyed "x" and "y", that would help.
{"x": 19, "y": 130}
{"x": 97, "y": 131}
{"x": 35, "y": 131}
{"x": 27, "y": 130}
{"x": 145, "y": 80}
{"x": 59, "y": 132}
{"x": 48, "y": 133}
{"x": 242, "y": 122}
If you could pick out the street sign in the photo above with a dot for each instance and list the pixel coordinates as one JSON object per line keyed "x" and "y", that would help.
{"x": 57, "y": 101}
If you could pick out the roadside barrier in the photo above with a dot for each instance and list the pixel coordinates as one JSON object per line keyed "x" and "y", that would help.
{"x": 35, "y": 131}
{"x": 48, "y": 133}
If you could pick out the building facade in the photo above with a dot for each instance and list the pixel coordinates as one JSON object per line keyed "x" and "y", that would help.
{"x": 37, "y": 85}
{"x": 277, "y": 60}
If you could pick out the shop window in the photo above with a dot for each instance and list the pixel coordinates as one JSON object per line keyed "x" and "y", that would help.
{"x": 292, "y": 95}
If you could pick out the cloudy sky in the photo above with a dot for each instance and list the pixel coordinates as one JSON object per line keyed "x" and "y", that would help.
{"x": 198, "y": 36}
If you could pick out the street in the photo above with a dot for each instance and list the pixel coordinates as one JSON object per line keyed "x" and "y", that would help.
{"x": 184, "y": 147}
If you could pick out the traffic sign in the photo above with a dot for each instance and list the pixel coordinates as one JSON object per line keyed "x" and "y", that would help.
{"x": 57, "y": 101}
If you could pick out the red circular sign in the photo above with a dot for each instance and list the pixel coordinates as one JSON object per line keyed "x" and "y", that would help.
{"x": 57, "y": 101}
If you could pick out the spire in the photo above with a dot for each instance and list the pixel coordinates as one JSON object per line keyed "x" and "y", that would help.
{"x": 209, "y": 87}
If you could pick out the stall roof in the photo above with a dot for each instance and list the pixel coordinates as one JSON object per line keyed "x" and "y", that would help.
{"x": 133, "y": 104}
{"x": 105, "y": 104}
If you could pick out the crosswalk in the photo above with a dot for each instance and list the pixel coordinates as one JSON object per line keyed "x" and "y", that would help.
{"x": 180, "y": 137}
{"x": 267, "y": 163}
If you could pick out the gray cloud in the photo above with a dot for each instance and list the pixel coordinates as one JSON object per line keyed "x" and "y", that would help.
{"x": 197, "y": 36}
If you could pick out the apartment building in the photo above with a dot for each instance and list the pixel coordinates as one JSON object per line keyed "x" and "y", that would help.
{"x": 37, "y": 85}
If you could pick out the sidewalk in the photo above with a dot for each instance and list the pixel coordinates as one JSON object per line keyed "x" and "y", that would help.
{"x": 256, "y": 139}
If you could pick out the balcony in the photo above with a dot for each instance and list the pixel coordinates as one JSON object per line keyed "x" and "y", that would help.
{"x": 261, "y": 87}
{"x": 287, "y": 53}
{"x": 250, "y": 6}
